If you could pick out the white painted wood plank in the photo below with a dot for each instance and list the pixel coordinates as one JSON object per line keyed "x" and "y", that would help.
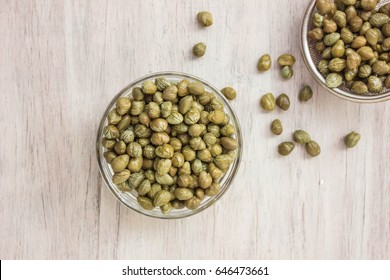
{"x": 61, "y": 62}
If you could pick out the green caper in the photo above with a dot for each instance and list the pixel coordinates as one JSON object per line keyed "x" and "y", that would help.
{"x": 329, "y": 26}
{"x": 349, "y": 75}
{"x": 358, "y": 42}
{"x": 199, "y": 49}
{"x": 313, "y": 148}
{"x": 333, "y": 80}
{"x": 323, "y": 7}
{"x": 338, "y": 49}
{"x": 123, "y": 105}
{"x": 149, "y": 87}
{"x": 380, "y": 68}
{"x": 315, "y": 34}
{"x": 351, "y": 139}
{"x": 276, "y": 127}
{"x": 264, "y": 63}
{"x": 113, "y": 117}
{"x": 375, "y": 84}
{"x": 301, "y": 137}
{"x": 366, "y": 53}
{"x": 305, "y": 93}
{"x": 283, "y": 102}
{"x": 267, "y": 102}
{"x": 109, "y": 156}
{"x": 359, "y": 87}
{"x": 120, "y": 163}
{"x": 110, "y": 132}
{"x": 365, "y": 71}
{"x": 346, "y": 35}
{"x": 331, "y": 39}
{"x": 286, "y": 60}
{"x": 317, "y": 20}
{"x": 340, "y": 18}
{"x": 323, "y": 67}
{"x": 379, "y": 19}
{"x": 372, "y": 36}
{"x": 287, "y": 72}
{"x": 205, "y": 18}
{"x": 337, "y": 65}
{"x": 286, "y": 148}
{"x": 355, "y": 23}
{"x": 353, "y": 60}
{"x": 369, "y": 5}
{"x": 229, "y": 92}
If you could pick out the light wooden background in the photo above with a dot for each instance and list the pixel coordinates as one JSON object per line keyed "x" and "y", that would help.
{"x": 61, "y": 62}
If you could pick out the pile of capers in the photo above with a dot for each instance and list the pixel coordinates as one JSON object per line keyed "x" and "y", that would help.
{"x": 171, "y": 142}
{"x": 354, "y": 42}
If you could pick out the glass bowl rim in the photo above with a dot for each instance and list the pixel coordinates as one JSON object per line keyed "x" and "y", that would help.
{"x": 234, "y": 167}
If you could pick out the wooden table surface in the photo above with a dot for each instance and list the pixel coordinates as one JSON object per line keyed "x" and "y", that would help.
{"x": 61, "y": 62}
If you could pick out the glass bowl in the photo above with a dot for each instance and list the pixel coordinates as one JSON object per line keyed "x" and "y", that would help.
{"x": 312, "y": 57}
{"x": 130, "y": 198}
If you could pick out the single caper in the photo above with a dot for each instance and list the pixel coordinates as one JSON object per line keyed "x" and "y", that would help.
{"x": 287, "y": 72}
{"x": 351, "y": 139}
{"x": 264, "y": 63}
{"x": 283, "y": 102}
{"x": 323, "y": 7}
{"x": 368, "y": 5}
{"x": 358, "y": 42}
{"x": 205, "y": 18}
{"x": 316, "y": 34}
{"x": 123, "y": 105}
{"x": 330, "y": 26}
{"x": 301, "y": 137}
{"x": 313, "y": 148}
{"x": 276, "y": 127}
{"x": 149, "y": 87}
{"x": 359, "y": 87}
{"x": 199, "y": 49}
{"x": 331, "y": 39}
{"x": 286, "y": 60}
{"x": 229, "y": 92}
{"x": 305, "y": 93}
{"x": 333, "y": 80}
{"x": 267, "y": 102}
{"x": 375, "y": 84}
{"x": 286, "y": 148}
{"x": 317, "y": 20}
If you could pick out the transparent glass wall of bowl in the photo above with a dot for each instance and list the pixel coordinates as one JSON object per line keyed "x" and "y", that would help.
{"x": 130, "y": 199}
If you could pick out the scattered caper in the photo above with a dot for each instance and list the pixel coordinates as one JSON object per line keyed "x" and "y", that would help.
{"x": 287, "y": 72}
{"x": 229, "y": 92}
{"x": 313, "y": 148}
{"x": 199, "y": 49}
{"x": 283, "y": 102}
{"x": 286, "y": 148}
{"x": 276, "y": 127}
{"x": 305, "y": 93}
{"x": 267, "y": 102}
{"x": 205, "y": 18}
{"x": 351, "y": 139}
{"x": 264, "y": 63}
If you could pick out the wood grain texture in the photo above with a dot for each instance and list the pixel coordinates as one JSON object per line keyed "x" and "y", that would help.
{"x": 61, "y": 62}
